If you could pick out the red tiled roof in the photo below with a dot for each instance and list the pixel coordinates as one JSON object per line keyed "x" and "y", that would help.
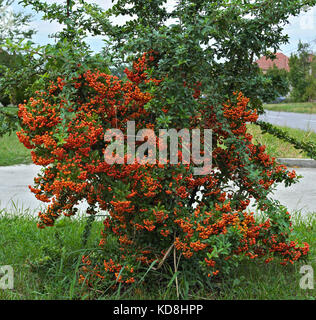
{"x": 281, "y": 62}
{"x": 310, "y": 58}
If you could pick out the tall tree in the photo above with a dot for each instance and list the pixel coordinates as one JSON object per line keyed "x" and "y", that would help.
{"x": 32, "y": 66}
{"x": 300, "y": 68}
{"x": 14, "y": 26}
{"x": 277, "y": 84}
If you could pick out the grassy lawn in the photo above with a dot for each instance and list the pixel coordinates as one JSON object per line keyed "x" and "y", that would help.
{"x": 45, "y": 264}
{"x": 13, "y": 152}
{"x": 303, "y": 107}
{"x": 278, "y": 148}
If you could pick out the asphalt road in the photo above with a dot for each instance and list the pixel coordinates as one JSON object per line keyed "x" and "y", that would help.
{"x": 16, "y": 196}
{"x": 303, "y": 121}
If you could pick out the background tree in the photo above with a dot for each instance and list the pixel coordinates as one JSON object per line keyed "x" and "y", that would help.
{"x": 215, "y": 42}
{"x": 300, "y": 68}
{"x": 310, "y": 92}
{"x": 14, "y": 26}
{"x": 5, "y": 60}
{"x": 33, "y": 66}
{"x": 277, "y": 84}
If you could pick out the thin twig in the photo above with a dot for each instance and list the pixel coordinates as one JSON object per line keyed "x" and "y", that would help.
{"x": 176, "y": 269}
{"x": 179, "y": 260}
{"x": 164, "y": 258}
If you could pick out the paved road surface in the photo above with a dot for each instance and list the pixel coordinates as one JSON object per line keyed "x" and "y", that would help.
{"x": 301, "y": 121}
{"x": 14, "y": 183}
{"x": 14, "y": 191}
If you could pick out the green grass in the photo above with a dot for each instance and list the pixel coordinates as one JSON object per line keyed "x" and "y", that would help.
{"x": 44, "y": 260}
{"x": 300, "y": 107}
{"x": 45, "y": 263}
{"x": 13, "y": 152}
{"x": 278, "y": 148}
{"x": 273, "y": 281}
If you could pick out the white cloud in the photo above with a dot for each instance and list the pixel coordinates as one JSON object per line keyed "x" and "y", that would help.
{"x": 302, "y": 27}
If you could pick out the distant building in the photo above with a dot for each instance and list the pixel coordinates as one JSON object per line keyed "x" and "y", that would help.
{"x": 281, "y": 62}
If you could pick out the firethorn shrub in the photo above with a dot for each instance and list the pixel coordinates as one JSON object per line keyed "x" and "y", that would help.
{"x": 158, "y": 214}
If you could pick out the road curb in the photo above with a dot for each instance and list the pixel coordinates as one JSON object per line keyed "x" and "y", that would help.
{"x": 297, "y": 163}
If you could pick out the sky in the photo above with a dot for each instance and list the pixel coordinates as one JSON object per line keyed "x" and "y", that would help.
{"x": 302, "y": 27}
